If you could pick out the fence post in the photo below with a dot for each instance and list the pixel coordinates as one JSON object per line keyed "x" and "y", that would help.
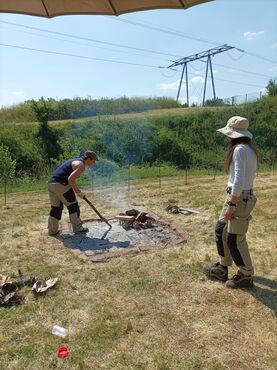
{"x": 186, "y": 175}
{"x": 159, "y": 164}
{"x": 92, "y": 182}
{"x": 129, "y": 176}
{"x": 5, "y": 192}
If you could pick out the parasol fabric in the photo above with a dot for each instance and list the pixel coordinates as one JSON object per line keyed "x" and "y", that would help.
{"x": 53, "y": 8}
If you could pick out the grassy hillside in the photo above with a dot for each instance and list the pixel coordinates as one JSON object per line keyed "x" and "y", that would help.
{"x": 78, "y": 107}
{"x": 153, "y": 311}
{"x": 183, "y": 138}
{"x": 153, "y": 113}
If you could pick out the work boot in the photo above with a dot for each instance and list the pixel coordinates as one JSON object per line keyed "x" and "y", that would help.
{"x": 240, "y": 281}
{"x": 54, "y": 233}
{"x": 81, "y": 230}
{"x": 216, "y": 272}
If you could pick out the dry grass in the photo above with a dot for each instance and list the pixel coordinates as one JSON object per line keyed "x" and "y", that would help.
{"x": 152, "y": 311}
{"x": 153, "y": 113}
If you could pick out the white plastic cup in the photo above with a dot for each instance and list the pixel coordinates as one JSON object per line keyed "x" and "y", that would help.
{"x": 59, "y": 331}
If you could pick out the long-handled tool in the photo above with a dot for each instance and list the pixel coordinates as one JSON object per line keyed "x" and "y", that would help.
{"x": 96, "y": 211}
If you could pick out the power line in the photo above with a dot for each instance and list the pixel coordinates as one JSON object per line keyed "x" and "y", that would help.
{"x": 99, "y": 47}
{"x": 89, "y": 39}
{"x": 136, "y": 54}
{"x": 78, "y": 56}
{"x": 171, "y": 31}
{"x": 166, "y": 30}
{"x": 82, "y": 44}
{"x": 104, "y": 60}
{"x": 176, "y": 33}
{"x": 232, "y": 81}
{"x": 242, "y": 70}
{"x": 236, "y": 82}
{"x": 260, "y": 57}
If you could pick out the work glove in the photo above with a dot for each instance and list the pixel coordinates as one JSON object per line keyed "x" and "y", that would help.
{"x": 81, "y": 194}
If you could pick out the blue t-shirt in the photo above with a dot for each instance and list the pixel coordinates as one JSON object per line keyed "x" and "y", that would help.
{"x": 62, "y": 173}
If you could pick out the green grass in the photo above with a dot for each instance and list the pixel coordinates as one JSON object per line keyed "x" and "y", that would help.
{"x": 149, "y": 312}
{"x": 124, "y": 175}
{"x": 127, "y": 176}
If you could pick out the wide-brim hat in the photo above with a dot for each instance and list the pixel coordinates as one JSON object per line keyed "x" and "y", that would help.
{"x": 236, "y": 127}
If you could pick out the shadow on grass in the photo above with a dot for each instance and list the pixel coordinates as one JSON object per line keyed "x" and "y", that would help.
{"x": 265, "y": 291}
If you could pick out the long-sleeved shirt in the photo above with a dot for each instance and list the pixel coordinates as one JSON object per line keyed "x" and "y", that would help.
{"x": 242, "y": 169}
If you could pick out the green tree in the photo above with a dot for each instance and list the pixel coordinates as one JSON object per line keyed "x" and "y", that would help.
{"x": 271, "y": 87}
{"x": 7, "y": 168}
{"x": 217, "y": 102}
{"x": 47, "y": 136}
{"x": 42, "y": 110}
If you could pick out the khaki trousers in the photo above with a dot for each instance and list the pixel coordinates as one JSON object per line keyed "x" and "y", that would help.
{"x": 62, "y": 195}
{"x": 231, "y": 235}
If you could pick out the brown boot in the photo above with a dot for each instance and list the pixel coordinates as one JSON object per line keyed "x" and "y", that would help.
{"x": 216, "y": 272}
{"x": 240, "y": 281}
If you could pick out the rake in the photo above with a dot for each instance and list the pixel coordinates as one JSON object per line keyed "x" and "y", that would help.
{"x": 97, "y": 212}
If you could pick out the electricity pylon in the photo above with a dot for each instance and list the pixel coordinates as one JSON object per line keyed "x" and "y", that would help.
{"x": 204, "y": 54}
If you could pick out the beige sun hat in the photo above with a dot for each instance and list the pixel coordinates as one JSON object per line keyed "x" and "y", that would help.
{"x": 236, "y": 127}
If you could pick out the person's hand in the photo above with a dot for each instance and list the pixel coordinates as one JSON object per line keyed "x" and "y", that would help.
{"x": 81, "y": 194}
{"x": 229, "y": 213}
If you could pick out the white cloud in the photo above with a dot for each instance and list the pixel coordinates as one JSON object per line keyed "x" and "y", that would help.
{"x": 252, "y": 35}
{"x": 172, "y": 85}
{"x": 198, "y": 79}
{"x": 17, "y": 93}
{"x": 175, "y": 85}
{"x": 274, "y": 45}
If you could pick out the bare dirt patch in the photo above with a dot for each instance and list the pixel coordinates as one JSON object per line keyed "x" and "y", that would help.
{"x": 102, "y": 243}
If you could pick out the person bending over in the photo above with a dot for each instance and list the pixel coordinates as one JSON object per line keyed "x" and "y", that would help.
{"x": 62, "y": 188}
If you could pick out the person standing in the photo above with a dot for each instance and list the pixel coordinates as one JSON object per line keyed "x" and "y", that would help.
{"x": 62, "y": 188}
{"x": 232, "y": 226}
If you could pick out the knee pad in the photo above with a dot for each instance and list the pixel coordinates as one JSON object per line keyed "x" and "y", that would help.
{"x": 74, "y": 208}
{"x": 56, "y": 212}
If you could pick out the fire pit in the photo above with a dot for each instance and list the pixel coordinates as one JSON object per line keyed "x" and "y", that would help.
{"x": 132, "y": 232}
{"x": 135, "y": 219}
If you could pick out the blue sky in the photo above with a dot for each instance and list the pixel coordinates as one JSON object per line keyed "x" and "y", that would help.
{"x": 246, "y": 24}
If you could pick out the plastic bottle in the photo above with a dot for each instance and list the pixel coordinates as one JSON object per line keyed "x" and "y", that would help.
{"x": 59, "y": 331}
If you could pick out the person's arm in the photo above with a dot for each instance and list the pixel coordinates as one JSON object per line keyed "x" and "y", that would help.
{"x": 73, "y": 177}
{"x": 239, "y": 160}
{"x": 232, "y": 207}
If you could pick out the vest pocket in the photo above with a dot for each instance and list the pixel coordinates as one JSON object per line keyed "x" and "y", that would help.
{"x": 245, "y": 206}
{"x": 250, "y": 203}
